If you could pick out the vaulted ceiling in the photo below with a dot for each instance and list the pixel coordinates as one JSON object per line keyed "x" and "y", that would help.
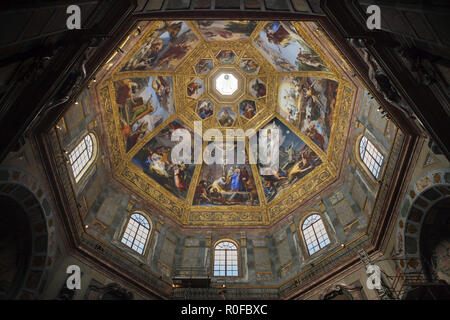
{"x": 289, "y": 75}
{"x": 286, "y": 75}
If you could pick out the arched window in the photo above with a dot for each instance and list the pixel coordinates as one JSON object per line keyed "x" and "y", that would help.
{"x": 136, "y": 233}
{"x": 314, "y": 232}
{"x": 225, "y": 259}
{"x": 83, "y": 156}
{"x": 371, "y": 157}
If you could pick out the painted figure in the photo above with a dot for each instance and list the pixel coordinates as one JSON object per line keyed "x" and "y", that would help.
{"x": 235, "y": 183}
{"x": 277, "y": 34}
{"x": 219, "y": 185}
{"x": 249, "y": 110}
{"x": 283, "y": 45}
{"x": 217, "y": 30}
{"x": 226, "y": 184}
{"x": 249, "y": 66}
{"x": 296, "y": 159}
{"x": 164, "y": 48}
{"x": 226, "y": 56}
{"x": 308, "y": 103}
{"x": 204, "y": 66}
{"x": 179, "y": 177}
{"x": 193, "y": 89}
{"x": 201, "y": 193}
{"x": 225, "y": 119}
{"x": 155, "y": 160}
{"x": 205, "y": 109}
{"x": 259, "y": 89}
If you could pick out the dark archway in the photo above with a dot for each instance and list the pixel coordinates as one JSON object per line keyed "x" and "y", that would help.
{"x": 435, "y": 242}
{"x": 15, "y": 247}
{"x": 433, "y": 246}
{"x": 25, "y": 221}
{"x": 424, "y": 194}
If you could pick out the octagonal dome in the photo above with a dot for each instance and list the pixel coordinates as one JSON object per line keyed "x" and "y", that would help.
{"x": 262, "y": 75}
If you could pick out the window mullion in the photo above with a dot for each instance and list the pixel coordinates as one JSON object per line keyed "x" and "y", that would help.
{"x": 315, "y": 235}
{"x": 134, "y": 234}
{"x": 226, "y": 263}
{"x": 374, "y": 160}
{"x": 80, "y": 153}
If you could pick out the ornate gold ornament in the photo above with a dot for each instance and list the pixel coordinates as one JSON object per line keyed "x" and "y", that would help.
{"x": 186, "y": 110}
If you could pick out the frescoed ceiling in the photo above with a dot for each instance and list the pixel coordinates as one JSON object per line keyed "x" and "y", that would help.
{"x": 227, "y": 75}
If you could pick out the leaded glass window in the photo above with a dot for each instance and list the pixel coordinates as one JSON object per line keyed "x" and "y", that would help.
{"x": 136, "y": 233}
{"x": 314, "y": 233}
{"x": 226, "y": 259}
{"x": 371, "y": 157}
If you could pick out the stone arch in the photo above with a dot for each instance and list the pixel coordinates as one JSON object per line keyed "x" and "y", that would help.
{"x": 423, "y": 194}
{"x": 26, "y": 195}
{"x": 434, "y": 243}
{"x": 15, "y": 247}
